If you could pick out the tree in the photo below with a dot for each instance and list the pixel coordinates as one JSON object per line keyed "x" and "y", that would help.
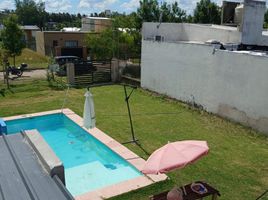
{"x": 207, "y": 12}
{"x": 129, "y": 37}
{"x": 125, "y": 21}
{"x": 4, "y": 63}
{"x": 101, "y": 46}
{"x": 150, "y": 11}
{"x": 111, "y": 43}
{"x": 11, "y": 37}
{"x": 172, "y": 13}
{"x": 31, "y": 13}
{"x": 62, "y": 20}
{"x": 189, "y": 19}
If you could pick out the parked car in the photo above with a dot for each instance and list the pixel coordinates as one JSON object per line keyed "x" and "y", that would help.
{"x": 62, "y": 60}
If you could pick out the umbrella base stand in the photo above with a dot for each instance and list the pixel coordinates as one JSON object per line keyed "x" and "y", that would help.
{"x": 132, "y": 141}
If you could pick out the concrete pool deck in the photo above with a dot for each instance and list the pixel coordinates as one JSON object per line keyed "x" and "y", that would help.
{"x": 132, "y": 158}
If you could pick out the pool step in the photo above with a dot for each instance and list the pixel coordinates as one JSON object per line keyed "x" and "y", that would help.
{"x": 95, "y": 175}
{"x": 88, "y": 175}
{"x": 124, "y": 172}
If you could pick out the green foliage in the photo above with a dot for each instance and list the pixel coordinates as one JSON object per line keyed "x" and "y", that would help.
{"x": 129, "y": 37}
{"x": 11, "y": 37}
{"x": 150, "y": 11}
{"x": 172, "y": 13}
{"x": 56, "y": 82}
{"x": 113, "y": 43}
{"x": 125, "y": 21}
{"x": 56, "y": 21}
{"x": 189, "y": 19}
{"x": 266, "y": 19}
{"x": 126, "y": 46}
{"x": 101, "y": 46}
{"x": 207, "y": 12}
{"x": 4, "y": 63}
{"x": 30, "y": 13}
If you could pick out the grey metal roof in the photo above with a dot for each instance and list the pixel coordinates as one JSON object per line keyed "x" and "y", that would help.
{"x": 21, "y": 174}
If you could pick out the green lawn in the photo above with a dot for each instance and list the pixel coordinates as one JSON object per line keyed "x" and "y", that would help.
{"x": 237, "y": 164}
{"x": 32, "y": 58}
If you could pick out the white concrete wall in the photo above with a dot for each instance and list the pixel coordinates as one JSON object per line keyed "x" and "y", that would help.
{"x": 170, "y": 31}
{"x": 190, "y": 32}
{"x": 202, "y": 33}
{"x": 233, "y": 85}
{"x": 195, "y": 32}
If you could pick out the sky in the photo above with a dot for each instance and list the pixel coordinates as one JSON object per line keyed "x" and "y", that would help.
{"x": 91, "y": 6}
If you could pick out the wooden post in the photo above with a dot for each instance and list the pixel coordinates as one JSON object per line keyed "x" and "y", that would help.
{"x": 115, "y": 70}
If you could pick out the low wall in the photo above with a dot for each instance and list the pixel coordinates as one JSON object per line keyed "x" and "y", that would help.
{"x": 50, "y": 161}
{"x": 190, "y": 32}
{"x": 233, "y": 85}
{"x": 201, "y": 33}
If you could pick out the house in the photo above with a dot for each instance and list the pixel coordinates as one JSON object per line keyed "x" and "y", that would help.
{"x": 96, "y": 24}
{"x": 222, "y": 69}
{"x": 62, "y": 43}
{"x": 30, "y": 35}
{"x": 70, "y": 41}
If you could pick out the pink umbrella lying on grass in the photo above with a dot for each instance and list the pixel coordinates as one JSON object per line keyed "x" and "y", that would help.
{"x": 175, "y": 155}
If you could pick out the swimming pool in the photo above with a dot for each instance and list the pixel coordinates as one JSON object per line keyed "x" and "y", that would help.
{"x": 88, "y": 163}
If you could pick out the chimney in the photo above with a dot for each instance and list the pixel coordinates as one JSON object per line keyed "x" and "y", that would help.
{"x": 252, "y": 24}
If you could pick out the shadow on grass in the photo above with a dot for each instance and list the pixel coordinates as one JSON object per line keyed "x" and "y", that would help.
{"x": 2, "y": 92}
{"x": 145, "y": 192}
{"x": 143, "y": 149}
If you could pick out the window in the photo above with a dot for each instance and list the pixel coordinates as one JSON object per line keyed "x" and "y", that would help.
{"x": 92, "y": 24}
{"x": 71, "y": 43}
{"x": 55, "y": 43}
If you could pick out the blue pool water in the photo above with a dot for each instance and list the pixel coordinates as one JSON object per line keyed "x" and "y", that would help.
{"x": 88, "y": 163}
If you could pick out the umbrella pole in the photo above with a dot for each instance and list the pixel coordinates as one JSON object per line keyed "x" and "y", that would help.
{"x": 65, "y": 97}
{"x": 127, "y": 96}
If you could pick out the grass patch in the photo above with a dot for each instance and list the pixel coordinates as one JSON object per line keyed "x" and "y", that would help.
{"x": 32, "y": 58}
{"x": 237, "y": 164}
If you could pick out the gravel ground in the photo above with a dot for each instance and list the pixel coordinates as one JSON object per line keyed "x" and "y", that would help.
{"x": 29, "y": 74}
